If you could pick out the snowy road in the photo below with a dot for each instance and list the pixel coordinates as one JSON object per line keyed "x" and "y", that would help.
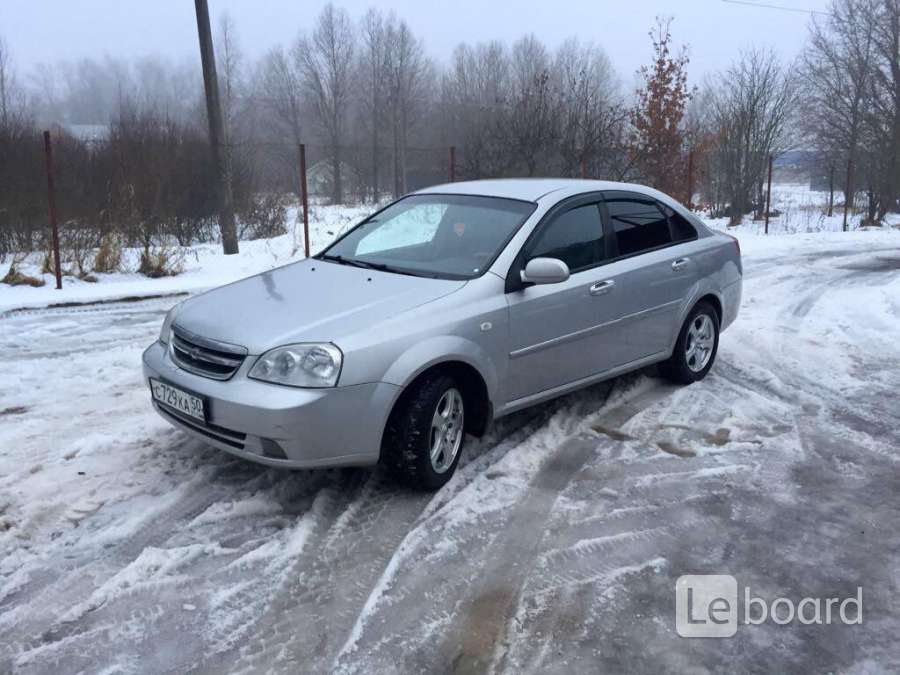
{"x": 127, "y": 547}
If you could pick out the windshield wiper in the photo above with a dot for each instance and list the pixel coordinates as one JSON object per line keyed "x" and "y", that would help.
{"x": 381, "y": 267}
{"x": 358, "y": 263}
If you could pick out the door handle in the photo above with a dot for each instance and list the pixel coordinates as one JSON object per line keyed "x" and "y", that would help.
{"x": 602, "y": 287}
{"x": 680, "y": 264}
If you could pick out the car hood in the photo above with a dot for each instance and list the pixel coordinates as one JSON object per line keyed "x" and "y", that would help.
{"x": 309, "y": 301}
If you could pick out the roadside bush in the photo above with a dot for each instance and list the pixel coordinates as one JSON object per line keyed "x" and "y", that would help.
{"x": 77, "y": 244}
{"x": 161, "y": 261}
{"x": 263, "y": 217}
{"x": 15, "y": 278}
{"x": 109, "y": 255}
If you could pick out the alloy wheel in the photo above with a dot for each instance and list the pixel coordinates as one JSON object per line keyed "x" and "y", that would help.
{"x": 446, "y": 430}
{"x": 701, "y": 339}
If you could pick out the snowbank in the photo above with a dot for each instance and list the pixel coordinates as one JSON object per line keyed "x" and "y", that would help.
{"x": 204, "y": 265}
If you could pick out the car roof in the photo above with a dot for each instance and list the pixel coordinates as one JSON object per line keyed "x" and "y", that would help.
{"x": 531, "y": 189}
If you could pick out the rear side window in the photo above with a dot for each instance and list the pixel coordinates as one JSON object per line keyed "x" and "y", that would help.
{"x": 682, "y": 230}
{"x": 575, "y": 237}
{"x": 639, "y": 223}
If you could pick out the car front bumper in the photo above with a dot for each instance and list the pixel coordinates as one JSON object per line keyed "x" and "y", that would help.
{"x": 278, "y": 425}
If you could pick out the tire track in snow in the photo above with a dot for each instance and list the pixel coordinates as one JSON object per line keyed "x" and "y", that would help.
{"x": 320, "y": 598}
{"x": 468, "y": 608}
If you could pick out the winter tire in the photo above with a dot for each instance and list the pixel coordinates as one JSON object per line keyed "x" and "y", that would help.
{"x": 426, "y": 432}
{"x": 695, "y": 350}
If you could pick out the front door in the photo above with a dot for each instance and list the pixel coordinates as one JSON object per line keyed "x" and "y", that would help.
{"x": 556, "y": 330}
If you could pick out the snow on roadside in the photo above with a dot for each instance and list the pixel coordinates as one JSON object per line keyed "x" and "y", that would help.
{"x": 801, "y": 215}
{"x": 204, "y": 265}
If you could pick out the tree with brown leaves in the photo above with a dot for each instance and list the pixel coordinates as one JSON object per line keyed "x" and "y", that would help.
{"x": 658, "y": 136}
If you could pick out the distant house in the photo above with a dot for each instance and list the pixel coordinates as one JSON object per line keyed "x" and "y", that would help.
{"x": 319, "y": 178}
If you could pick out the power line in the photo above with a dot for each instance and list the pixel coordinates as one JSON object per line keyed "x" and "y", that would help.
{"x": 764, "y": 5}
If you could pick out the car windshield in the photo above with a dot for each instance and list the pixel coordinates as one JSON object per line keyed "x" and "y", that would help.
{"x": 442, "y": 236}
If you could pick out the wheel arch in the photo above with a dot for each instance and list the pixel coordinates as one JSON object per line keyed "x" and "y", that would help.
{"x": 475, "y": 390}
{"x": 713, "y": 300}
{"x": 703, "y": 295}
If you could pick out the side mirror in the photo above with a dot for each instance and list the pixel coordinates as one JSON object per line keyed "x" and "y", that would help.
{"x": 545, "y": 271}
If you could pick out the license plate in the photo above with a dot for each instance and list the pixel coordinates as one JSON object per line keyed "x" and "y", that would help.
{"x": 180, "y": 400}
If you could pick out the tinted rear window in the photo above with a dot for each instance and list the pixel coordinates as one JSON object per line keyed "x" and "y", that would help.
{"x": 639, "y": 224}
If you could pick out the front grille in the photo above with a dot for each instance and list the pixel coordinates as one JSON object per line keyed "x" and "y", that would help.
{"x": 205, "y": 357}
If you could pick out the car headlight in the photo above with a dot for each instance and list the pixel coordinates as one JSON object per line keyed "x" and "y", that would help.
{"x": 302, "y": 365}
{"x": 167, "y": 324}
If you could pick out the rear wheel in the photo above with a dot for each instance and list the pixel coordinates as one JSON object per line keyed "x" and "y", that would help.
{"x": 425, "y": 433}
{"x": 695, "y": 350}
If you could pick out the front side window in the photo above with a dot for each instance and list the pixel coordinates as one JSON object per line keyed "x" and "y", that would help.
{"x": 575, "y": 237}
{"x": 443, "y": 236}
{"x": 639, "y": 223}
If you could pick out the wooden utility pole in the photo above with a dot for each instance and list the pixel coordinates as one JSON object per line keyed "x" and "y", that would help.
{"x": 583, "y": 167}
{"x": 221, "y": 158}
{"x": 51, "y": 203}
{"x": 769, "y": 194}
{"x": 690, "y": 179}
{"x": 451, "y": 168}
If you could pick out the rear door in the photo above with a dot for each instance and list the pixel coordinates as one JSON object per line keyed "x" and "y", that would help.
{"x": 652, "y": 268}
{"x": 556, "y": 329}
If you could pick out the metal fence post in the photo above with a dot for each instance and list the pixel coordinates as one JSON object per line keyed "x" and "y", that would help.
{"x": 769, "y": 194}
{"x": 51, "y": 202}
{"x": 690, "y": 179}
{"x": 304, "y": 197}
{"x": 452, "y": 164}
{"x": 831, "y": 191}
{"x": 848, "y": 193}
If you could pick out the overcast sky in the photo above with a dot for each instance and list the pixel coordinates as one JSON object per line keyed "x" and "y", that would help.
{"x": 51, "y": 30}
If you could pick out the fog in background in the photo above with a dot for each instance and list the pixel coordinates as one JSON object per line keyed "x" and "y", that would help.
{"x": 48, "y": 31}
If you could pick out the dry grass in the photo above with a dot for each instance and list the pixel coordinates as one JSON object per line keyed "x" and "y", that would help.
{"x": 15, "y": 278}
{"x": 109, "y": 255}
{"x": 161, "y": 262}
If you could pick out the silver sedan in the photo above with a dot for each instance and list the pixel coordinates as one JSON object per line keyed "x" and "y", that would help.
{"x": 447, "y": 309}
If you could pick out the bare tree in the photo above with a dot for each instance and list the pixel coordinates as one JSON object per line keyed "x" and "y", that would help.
{"x": 6, "y": 84}
{"x": 884, "y": 17}
{"x": 280, "y": 89}
{"x": 591, "y": 114}
{"x": 533, "y": 115}
{"x": 751, "y": 106}
{"x": 231, "y": 85}
{"x": 408, "y": 70}
{"x": 325, "y": 62}
{"x": 231, "y": 65}
{"x": 838, "y": 68}
{"x": 475, "y": 95}
{"x": 373, "y": 73}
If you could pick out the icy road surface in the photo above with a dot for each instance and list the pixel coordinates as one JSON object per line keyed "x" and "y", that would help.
{"x": 127, "y": 547}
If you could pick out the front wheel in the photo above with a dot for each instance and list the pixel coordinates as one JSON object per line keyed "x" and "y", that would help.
{"x": 695, "y": 350}
{"x": 425, "y": 433}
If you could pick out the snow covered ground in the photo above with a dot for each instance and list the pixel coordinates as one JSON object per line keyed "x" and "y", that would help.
{"x": 125, "y": 546}
{"x": 204, "y": 265}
